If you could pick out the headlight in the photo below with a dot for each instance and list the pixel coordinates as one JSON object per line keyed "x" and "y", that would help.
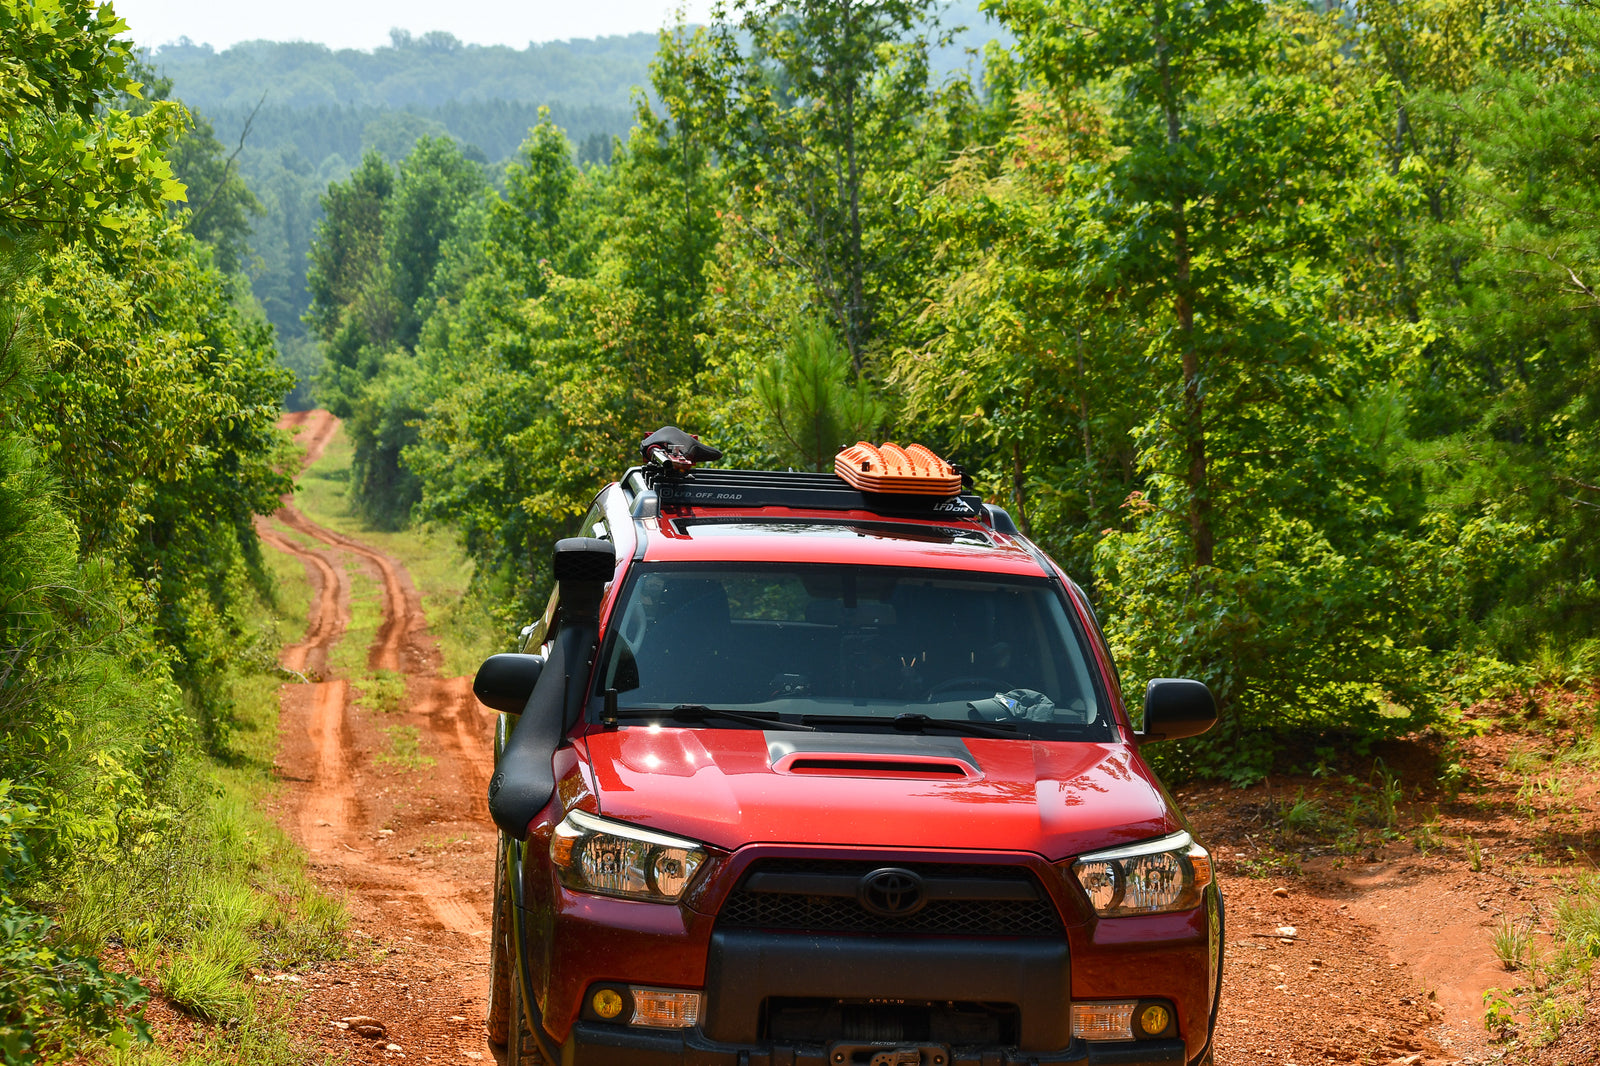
{"x": 594, "y": 854}
{"x": 1168, "y": 874}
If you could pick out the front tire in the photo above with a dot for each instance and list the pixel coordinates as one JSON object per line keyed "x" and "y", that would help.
{"x": 500, "y": 969}
{"x": 522, "y": 1049}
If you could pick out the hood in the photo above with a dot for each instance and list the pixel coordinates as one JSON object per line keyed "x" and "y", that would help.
{"x": 732, "y": 787}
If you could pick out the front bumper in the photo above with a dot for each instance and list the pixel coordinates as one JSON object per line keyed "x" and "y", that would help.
{"x": 577, "y": 941}
{"x": 592, "y": 1044}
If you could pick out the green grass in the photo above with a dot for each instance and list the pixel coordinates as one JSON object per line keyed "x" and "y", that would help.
{"x": 258, "y": 1035}
{"x": 1303, "y": 816}
{"x": 1558, "y": 1001}
{"x": 1510, "y": 943}
{"x": 218, "y": 891}
{"x": 382, "y": 691}
{"x": 405, "y": 749}
{"x": 441, "y": 570}
{"x": 348, "y": 658}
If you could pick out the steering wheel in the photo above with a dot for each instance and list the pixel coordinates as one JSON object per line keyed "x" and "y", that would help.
{"x": 972, "y": 683}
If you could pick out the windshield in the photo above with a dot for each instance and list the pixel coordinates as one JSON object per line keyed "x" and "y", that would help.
{"x": 838, "y": 643}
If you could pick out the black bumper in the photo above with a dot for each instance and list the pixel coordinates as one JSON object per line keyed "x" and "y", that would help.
{"x": 747, "y": 966}
{"x": 592, "y": 1044}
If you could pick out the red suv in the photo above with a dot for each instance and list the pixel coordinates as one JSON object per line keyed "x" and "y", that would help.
{"x": 792, "y": 773}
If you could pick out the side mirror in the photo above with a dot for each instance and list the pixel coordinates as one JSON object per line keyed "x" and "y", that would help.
{"x": 1176, "y": 707}
{"x": 505, "y": 682}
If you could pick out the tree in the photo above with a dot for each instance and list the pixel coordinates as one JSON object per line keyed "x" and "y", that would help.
{"x": 813, "y": 409}
{"x": 352, "y": 306}
{"x": 1026, "y": 372}
{"x": 221, "y": 206}
{"x": 437, "y": 195}
{"x": 1506, "y": 406}
{"x": 1213, "y": 239}
{"x": 817, "y": 105}
{"x": 70, "y": 159}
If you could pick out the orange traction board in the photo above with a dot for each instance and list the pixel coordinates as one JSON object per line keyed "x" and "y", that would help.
{"x": 913, "y": 471}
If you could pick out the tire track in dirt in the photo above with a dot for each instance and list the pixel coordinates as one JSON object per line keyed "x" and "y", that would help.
{"x": 410, "y": 849}
{"x": 328, "y": 611}
{"x": 404, "y": 625}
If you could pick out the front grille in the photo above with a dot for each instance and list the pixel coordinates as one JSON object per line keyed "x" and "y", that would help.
{"x": 818, "y": 896}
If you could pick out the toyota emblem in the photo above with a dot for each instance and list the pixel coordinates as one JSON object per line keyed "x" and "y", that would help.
{"x": 891, "y": 892}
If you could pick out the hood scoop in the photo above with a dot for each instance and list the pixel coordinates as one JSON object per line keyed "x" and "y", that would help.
{"x": 871, "y": 755}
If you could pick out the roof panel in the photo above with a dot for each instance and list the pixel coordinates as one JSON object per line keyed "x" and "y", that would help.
{"x": 860, "y": 537}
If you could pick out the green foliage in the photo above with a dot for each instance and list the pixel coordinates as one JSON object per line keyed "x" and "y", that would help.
{"x": 576, "y": 337}
{"x": 1271, "y": 322}
{"x": 390, "y": 247}
{"x": 71, "y": 161}
{"x": 221, "y": 206}
{"x": 813, "y": 409}
{"x": 819, "y": 112}
{"x": 138, "y": 405}
{"x": 145, "y": 348}
{"x": 49, "y": 995}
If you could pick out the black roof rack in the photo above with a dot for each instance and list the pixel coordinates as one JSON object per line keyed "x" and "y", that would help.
{"x": 784, "y": 488}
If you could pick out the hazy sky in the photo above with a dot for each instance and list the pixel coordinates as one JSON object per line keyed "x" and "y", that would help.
{"x": 366, "y": 23}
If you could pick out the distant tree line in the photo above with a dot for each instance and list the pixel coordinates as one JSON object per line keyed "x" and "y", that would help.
{"x": 306, "y": 113}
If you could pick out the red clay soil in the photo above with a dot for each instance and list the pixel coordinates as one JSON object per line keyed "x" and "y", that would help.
{"x": 410, "y": 849}
{"x": 1388, "y": 958}
{"x": 1393, "y": 943}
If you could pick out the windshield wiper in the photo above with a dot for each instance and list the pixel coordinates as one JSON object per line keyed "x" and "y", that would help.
{"x": 915, "y": 722}
{"x": 699, "y": 712}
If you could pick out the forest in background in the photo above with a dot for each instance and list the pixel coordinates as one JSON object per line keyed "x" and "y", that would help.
{"x": 302, "y": 114}
{"x": 1274, "y": 322}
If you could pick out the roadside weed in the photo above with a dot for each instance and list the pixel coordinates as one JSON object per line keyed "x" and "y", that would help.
{"x": 258, "y": 1035}
{"x": 1388, "y": 792}
{"x": 1522, "y": 762}
{"x": 1428, "y": 836}
{"x": 205, "y": 987}
{"x": 1510, "y": 943}
{"x": 1566, "y": 665}
{"x": 1577, "y": 918}
{"x": 348, "y": 658}
{"x": 1498, "y": 1016}
{"x": 1538, "y": 793}
{"x": 1567, "y": 969}
{"x": 217, "y": 890}
{"x": 1303, "y": 816}
{"x": 1270, "y": 863}
{"x": 1554, "y": 1014}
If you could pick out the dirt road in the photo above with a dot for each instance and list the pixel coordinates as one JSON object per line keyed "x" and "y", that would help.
{"x": 388, "y": 803}
{"x": 1374, "y": 954}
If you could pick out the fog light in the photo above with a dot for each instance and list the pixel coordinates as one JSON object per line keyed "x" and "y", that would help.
{"x": 1154, "y": 1019}
{"x": 660, "y": 1008}
{"x": 1103, "y": 1021}
{"x": 607, "y": 1003}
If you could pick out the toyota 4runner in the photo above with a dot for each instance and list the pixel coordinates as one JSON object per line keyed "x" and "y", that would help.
{"x": 796, "y": 771}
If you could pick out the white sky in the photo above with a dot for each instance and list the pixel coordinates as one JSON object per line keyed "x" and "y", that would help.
{"x": 366, "y": 23}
